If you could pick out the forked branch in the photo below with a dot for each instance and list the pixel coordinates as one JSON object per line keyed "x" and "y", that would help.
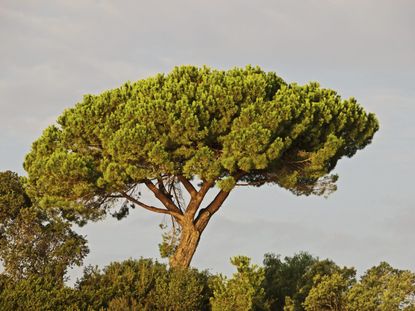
{"x": 167, "y": 202}
{"x": 206, "y": 213}
{"x": 196, "y": 200}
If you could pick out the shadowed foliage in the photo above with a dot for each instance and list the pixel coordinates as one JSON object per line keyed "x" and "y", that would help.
{"x": 143, "y": 285}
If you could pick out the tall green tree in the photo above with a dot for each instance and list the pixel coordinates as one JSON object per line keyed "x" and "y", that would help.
{"x": 195, "y": 128}
{"x": 33, "y": 242}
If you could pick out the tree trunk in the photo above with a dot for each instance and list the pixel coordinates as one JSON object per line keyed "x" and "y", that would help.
{"x": 189, "y": 239}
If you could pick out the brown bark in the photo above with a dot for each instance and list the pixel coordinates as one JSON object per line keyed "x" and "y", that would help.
{"x": 189, "y": 240}
{"x": 205, "y": 214}
{"x": 196, "y": 200}
{"x": 192, "y": 227}
{"x": 159, "y": 194}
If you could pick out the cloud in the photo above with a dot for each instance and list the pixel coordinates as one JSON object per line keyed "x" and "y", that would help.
{"x": 53, "y": 52}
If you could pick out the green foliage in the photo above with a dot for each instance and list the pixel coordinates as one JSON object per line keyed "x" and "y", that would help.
{"x": 329, "y": 293}
{"x": 33, "y": 242}
{"x": 383, "y": 288}
{"x": 288, "y": 282}
{"x": 289, "y": 304}
{"x": 170, "y": 240}
{"x": 122, "y": 304}
{"x": 12, "y": 197}
{"x": 36, "y": 293}
{"x": 128, "y": 280}
{"x": 143, "y": 285}
{"x": 180, "y": 289}
{"x": 322, "y": 270}
{"x": 147, "y": 285}
{"x": 200, "y": 123}
{"x": 243, "y": 291}
{"x": 284, "y": 280}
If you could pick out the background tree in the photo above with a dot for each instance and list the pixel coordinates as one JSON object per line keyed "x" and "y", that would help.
{"x": 288, "y": 282}
{"x": 31, "y": 241}
{"x": 285, "y": 278}
{"x": 336, "y": 279}
{"x": 243, "y": 292}
{"x": 329, "y": 292}
{"x": 194, "y": 128}
{"x": 383, "y": 288}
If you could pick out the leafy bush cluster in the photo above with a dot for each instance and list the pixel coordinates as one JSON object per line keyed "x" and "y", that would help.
{"x": 297, "y": 283}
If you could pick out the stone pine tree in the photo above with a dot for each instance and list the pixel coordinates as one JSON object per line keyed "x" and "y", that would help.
{"x": 198, "y": 129}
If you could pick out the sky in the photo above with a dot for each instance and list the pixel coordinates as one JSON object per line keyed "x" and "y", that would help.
{"x": 54, "y": 52}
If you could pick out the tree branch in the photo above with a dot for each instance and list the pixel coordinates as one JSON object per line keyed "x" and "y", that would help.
{"x": 114, "y": 196}
{"x": 151, "y": 208}
{"x": 207, "y": 212}
{"x": 160, "y": 183}
{"x": 204, "y": 215}
{"x": 195, "y": 202}
{"x": 216, "y": 202}
{"x": 252, "y": 183}
{"x": 188, "y": 185}
{"x": 167, "y": 202}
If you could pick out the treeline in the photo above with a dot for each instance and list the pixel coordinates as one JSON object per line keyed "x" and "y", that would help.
{"x": 300, "y": 282}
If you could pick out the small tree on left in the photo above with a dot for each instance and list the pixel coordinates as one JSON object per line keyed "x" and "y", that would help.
{"x": 34, "y": 242}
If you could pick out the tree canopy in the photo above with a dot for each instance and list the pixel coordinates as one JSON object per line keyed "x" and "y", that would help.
{"x": 215, "y": 127}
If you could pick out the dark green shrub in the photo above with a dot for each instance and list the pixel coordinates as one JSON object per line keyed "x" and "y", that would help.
{"x": 143, "y": 285}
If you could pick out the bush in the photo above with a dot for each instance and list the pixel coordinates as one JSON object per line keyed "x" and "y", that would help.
{"x": 243, "y": 291}
{"x": 36, "y": 293}
{"x": 143, "y": 285}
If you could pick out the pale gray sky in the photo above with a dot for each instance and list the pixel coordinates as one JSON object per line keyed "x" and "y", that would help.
{"x": 53, "y": 52}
